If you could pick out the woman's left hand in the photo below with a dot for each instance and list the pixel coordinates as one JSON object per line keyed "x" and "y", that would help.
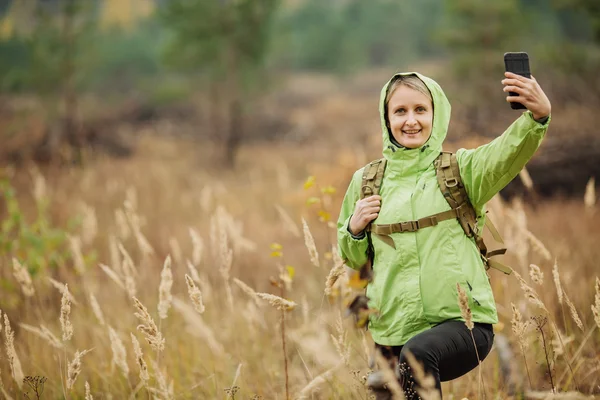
{"x": 530, "y": 94}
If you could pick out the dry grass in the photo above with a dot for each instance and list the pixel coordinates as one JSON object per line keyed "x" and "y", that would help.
{"x": 159, "y": 206}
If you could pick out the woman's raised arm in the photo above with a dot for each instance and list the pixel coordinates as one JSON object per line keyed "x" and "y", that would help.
{"x": 489, "y": 168}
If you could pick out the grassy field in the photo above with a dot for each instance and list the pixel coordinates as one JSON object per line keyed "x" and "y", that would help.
{"x": 136, "y": 228}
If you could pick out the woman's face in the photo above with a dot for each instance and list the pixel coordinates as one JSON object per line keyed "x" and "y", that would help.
{"x": 410, "y": 115}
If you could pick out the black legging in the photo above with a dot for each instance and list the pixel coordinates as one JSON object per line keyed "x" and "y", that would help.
{"x": 446, "y": 352}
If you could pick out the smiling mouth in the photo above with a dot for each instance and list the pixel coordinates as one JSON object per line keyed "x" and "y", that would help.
{"x": 412, "y": 133}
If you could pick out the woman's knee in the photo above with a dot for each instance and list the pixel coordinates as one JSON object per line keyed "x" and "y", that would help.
{"x": 421, "y": 353}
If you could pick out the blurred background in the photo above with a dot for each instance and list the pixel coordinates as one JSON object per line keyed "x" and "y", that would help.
{"x": 84, "y": 78}
{"x": 212, "y": 131}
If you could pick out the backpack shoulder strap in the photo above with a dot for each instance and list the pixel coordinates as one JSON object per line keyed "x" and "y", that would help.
{"x": 449, "y": 180}
{"x": 451, "y": 185}
{"x": 372, "y": 177}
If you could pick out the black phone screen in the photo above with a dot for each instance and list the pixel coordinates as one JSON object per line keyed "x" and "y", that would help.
{"x": 517, "y": 63}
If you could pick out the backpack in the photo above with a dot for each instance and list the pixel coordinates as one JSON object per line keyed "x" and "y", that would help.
{"x": 450, "y": 183}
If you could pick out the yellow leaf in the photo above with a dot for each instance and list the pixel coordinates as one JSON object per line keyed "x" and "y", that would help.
{"x": 310, "y": 181}
{"x": 276, "y": 254}
{"x": 324, "y": 216}
{"x": 276, "y": 247}
{"x": 291, "y": 271}
{"x": 328, "y": 190}
{"x": 312, "y": 200}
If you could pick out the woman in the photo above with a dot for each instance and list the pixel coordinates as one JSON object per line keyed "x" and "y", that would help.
{"x": 414, "y": 282}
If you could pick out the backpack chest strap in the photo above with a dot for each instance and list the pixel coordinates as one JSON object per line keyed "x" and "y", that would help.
{"x": 413, "y": 226}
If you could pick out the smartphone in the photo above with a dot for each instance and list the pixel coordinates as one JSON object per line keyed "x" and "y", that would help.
{"x": 517, "y": 63}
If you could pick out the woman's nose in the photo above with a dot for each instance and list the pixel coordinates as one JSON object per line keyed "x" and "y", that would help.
{"x": 411, "y": 120}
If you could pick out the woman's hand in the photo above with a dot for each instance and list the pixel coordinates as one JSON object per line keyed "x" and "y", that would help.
{"x": 366, "y": 210}
{"x": 530, "y": 94}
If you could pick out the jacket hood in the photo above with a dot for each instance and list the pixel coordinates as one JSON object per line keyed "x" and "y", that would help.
{"x": 426, "y": 154}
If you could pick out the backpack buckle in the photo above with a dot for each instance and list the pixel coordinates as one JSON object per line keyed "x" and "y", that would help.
{"x": 452, "y": 182}
{"x": 366, "y": 190}
{"x": 409, "y": 226}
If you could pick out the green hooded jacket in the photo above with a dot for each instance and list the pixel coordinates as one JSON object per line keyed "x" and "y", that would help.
{"x": 414, "y": 285}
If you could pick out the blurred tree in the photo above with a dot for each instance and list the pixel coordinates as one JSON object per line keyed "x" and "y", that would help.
{"x": 348, "y": 35}
{"x": 61, "y": 30}
{"x": 43, "y": 45}
{"x": 476, "y": 34}
{"x": 226, "y": 43}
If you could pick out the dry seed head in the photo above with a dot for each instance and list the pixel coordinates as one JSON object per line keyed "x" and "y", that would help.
{"x": 309, "y": 242}
{"x": 96, "y": 309}
{"x": 538, "y": 246}
{"x": 519, "y": 327}
{"x": 247, "y": 289}
{"x": 74, "y": 368}
{"x": 193, "y": 271}
{"x": 596, "y": 305}
{"x": 288, "y": 222}
{"x": 115, "y": 258}
{"x": 465, "y": 310}
{"x": 22, "y": 276}
{"x": 277, "y": 302}
{"x": 128, "y": 265}
{"x": 164, "y": 290}
{"x": 197, "y": 247}
{"x": 119, "y": 353}
{"x": 122, "y": 226}
{"x": 148, "y": 327}
{"x": 88, "y": 393}
{"x": 61, "y": 288}
{"x": 176, "y": 251}
{"x": 589, "y": 199}
{"x": 195, "y": 294}
{"x": 65, "y": 312}
{"x": 536, "y": 274}
{"x": 112, "y": 275}
{"x": 340, "y": 342}
{"x": 13, "y": 359}
{"x": 45, "y": 334}
{"x": 530, "y": 293}
{"x": 334, "y": 274}
{"x": 75, "y": 246}
{"x": 143, "y": 244}
{"x": 556, "y": 277}
{"x": 165, "y": 391}
{"x": 573, "y": 311}
{"x": 198, "y": 327}
{"x": 320, "y": 380}
{"x": 139, "y": 358}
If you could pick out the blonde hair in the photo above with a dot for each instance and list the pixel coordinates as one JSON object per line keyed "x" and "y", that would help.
{"x": 410, "y": 81}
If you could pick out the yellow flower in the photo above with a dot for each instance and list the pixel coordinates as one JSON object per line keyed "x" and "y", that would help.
{"x": 324, "y": 216}
{"x": 310, "y": 181}
{"x": 312, "y": 200}
{"x": 291, "y": 271}
{"x": 328, "y": 190}
{"x": 276, "y": 247}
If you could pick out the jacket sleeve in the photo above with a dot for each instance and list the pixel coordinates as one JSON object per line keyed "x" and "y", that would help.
{"x": 352, "y": 249}
{"x": 489, "y": 168}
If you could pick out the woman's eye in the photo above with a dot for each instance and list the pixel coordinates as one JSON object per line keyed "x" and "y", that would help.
{"x": 400, "y": 111}
{"x": 421, "y": 109}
